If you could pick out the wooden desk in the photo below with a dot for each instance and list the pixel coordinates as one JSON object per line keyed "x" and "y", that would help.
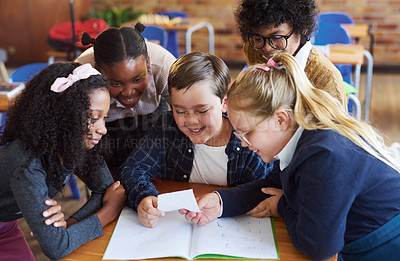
{"x": 358, "y": 31}
{"x": 95, "y": 249}
{"x": 347, "y": 54}
{"x": 189, "y": 25}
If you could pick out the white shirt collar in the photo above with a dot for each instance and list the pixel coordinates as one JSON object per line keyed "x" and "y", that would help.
{"x": 286, "y": 154}
{"x": 303, "y": 53}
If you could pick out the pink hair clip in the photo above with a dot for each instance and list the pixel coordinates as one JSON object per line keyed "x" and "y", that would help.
{"x": 79, "y": 73}
{"x": 264, "y": 68}
{"x": 272, "y": 63}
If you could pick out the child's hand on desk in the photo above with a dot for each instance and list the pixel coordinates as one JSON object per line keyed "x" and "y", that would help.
{"x": 210, "y": 206}
{"x": 148, "y": 213}
{"x": 268, "y": 207}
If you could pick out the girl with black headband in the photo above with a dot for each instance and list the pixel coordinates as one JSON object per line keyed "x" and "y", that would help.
{"x": 137, "y": 72}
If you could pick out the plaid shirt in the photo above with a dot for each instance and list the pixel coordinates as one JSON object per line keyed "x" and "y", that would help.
{"x": 168, "y": 153}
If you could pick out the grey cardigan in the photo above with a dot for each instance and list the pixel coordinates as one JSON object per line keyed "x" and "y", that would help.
{"x": 24, "y": 190}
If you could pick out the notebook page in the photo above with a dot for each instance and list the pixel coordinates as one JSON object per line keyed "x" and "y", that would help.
{"x": 242, "y": 236}
{"x": 131, "y": 240}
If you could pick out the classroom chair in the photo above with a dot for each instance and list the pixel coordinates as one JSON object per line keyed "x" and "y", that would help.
{"x": 156, "y": 33}
{"x": 335, "y": 17}
{"x": 353, "y": 103}
{"x": 173, "y": 43}
{"x": 24, "y": 74}
{"x": 330, "y": 33}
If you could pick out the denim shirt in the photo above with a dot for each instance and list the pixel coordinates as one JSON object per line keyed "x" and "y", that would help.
{"x": 168, "y": 153}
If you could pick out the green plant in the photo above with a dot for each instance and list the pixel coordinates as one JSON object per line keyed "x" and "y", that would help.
{"x": 114, "y": 16}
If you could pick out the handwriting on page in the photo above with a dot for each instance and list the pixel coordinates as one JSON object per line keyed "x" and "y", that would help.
{"x": 239, "y": 236}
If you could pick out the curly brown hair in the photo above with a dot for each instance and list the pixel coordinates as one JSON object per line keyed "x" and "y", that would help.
{"x": 50, "y": 124}
{"x": 299, "y": 14}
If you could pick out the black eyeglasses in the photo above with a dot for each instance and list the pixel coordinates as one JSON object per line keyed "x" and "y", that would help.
{"x": 278, "y": 42}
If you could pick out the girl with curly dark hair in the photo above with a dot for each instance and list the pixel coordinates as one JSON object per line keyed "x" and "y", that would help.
{"x": 271, "y": 26}
{"x": 137, "y": 72}
{"x": 51, "y": 133}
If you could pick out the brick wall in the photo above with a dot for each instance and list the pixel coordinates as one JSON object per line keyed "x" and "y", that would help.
{"x": 384, "y": 19}
{"x": 382, "y": 15}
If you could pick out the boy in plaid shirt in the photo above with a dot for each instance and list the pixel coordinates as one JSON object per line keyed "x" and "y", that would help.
{"x": 193, "y": 143}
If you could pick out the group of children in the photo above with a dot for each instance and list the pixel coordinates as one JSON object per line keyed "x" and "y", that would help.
{"x": 281, "y": 137}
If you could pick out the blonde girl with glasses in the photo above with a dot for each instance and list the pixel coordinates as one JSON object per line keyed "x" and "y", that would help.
{"x": 334, "y": 185}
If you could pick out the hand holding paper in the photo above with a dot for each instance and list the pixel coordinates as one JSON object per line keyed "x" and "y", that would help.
{"x": 210, "y": 207}
{"x": 150, "y": 209}
{"x": 148, "y": 213}
{"x": 183, "y": 199}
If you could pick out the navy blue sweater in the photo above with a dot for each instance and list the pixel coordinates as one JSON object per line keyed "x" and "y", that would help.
{"x": 334, "y": 193}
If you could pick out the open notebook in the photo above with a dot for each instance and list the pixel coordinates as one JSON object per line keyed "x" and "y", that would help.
{"x": 237, "y": 237}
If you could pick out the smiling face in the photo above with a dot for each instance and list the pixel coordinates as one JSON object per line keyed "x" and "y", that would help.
{"x": 128, "y": 80}
{"x": 293, "y": 43}
{"x": 267, "y": 136}
{"x": 198, "y": 114}
{"x": 99, "y": 106}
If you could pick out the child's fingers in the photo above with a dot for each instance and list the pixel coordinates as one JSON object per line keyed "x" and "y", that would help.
{"x": 150, "y": 211}
{"x": 255, "y": 211}
{"x": 160, "y": 213}
{"x": 55, "y": 218}
{"x": 262, "y": 213}
{"x": 61, "y": 223}
{"x": 50, "y": 202}
{"x": 195, "y": 220}
{"x": 183, "y": 211}
{"x": 272, "y": 191}
{"x": 116, "y": 184}
{"x": 148, "y": 222}
{"x": 51, "y": 211}
{"x": 202, "y": 221}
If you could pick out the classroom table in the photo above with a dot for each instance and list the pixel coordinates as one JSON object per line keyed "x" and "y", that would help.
{"x": 354, "y": 55}
{"x": 358, "y": 31}
{"x": 189, "y": 26}
{"x": 95, "y": 249}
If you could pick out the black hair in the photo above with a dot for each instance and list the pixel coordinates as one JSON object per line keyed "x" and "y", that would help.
{"x": 300, "y": 14}
{"x": 51, "y": 124}
{"x": 115, "y": 45}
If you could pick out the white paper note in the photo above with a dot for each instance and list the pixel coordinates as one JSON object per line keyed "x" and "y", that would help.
{"x": 178, "y": 200}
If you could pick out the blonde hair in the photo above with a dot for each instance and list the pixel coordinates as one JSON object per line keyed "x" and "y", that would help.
{"x": 262, "y": 89}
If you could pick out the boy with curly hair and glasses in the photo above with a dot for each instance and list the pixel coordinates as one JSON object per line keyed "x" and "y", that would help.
{"x": 269, "y": 27}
